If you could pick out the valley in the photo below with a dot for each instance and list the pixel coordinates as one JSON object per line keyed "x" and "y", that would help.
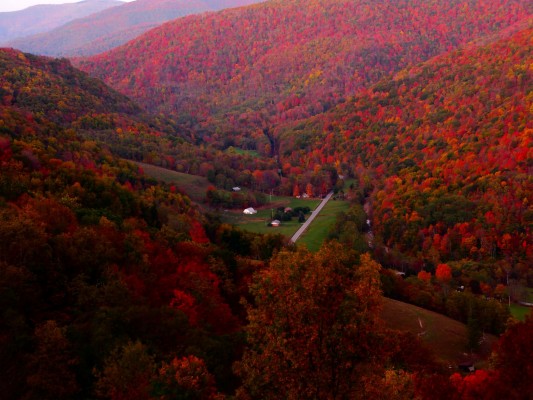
{"x": 129, "y": 269}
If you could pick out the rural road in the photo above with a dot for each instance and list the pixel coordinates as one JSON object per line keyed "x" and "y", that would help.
{"x": 305, "y": 225}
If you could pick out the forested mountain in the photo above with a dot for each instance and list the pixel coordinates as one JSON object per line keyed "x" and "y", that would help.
{"x": 46, "y": 17}
{"x": 116, "y": 286}
{"x": 110, "y": 28}
{"x": 54, "y": 89}
{"x": 246, "y": 69}
{"x": 99, "y": 263}
{"x": 444, "y": 148}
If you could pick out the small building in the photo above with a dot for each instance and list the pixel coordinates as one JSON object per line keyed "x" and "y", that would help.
{"x": 287, "y": 210}
{"x": 276, "y": 223}
{"x": 250, "y": 211}
{"x": 236, "y": 189}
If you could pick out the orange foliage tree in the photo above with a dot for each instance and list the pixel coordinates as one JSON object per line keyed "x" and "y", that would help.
{"x": 315, "y": 327}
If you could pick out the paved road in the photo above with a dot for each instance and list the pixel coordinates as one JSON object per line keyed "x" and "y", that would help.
{"x": 305, "y": 225}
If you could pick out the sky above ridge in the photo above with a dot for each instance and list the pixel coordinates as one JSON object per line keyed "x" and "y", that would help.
{"x": 15, "y": 5}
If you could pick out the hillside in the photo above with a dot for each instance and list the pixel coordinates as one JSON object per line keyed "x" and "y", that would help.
{"x": 46, "y": 17}
{"x": 446, "y": 337}
{"x": 115, "y": 285}
{"x": 110, "y": 28}
{"x": 53, "y": 88}
{"x": 95, "y": 257}
{"x": 444, "y": 150}
{"x": 244, "y": 70}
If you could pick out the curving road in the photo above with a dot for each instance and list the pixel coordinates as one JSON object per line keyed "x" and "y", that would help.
{"x": 306, "y": 224}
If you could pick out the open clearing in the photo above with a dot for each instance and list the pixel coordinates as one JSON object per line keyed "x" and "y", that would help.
{"x": 520, "y": 312}
{"x": 258, "y": 222}
{"x": 319, "y": 229}
{"x": 446, "y": 337}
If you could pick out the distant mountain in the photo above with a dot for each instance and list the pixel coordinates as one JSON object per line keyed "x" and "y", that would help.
{"x": 45, "y": 17}
{"x": 248, "y": 69}
{"x": 110, "y": 28}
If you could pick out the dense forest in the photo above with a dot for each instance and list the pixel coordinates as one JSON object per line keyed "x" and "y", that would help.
{"x": 444, "y": 151}
{"x": 114, "y": 285}
{"x": 246, "y": 70}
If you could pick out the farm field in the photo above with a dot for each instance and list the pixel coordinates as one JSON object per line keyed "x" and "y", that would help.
{"x": 520, "y": 312}
{"x": 319, "y": 229}
{"x": 446, "y": 337}
{"x": 258, "y": 222}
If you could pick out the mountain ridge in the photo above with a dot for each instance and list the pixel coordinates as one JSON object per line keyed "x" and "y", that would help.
{"x": 249, "y": 68}
{"x": 110, "y": 28}
{"x": 45, "y": 17}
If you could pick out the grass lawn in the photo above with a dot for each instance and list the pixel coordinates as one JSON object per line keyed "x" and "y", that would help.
{"x": 520, "y": 312}
{"x": 318, "y": 230}
{"x": 446, "y": 337}
{"x": 258, "y": 222}
{"x": 195, "y": 186}
{"x": 237, "y": 150}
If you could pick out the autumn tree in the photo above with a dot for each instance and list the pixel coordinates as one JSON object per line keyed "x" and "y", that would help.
{"x": 187, "y": 378}
{"x": 127, "y": 374}
{"x": 443, "y": 273}
{"x": 513, "y": 377}
{"x": 314, "y": 329}
{"x": 424, "y": 276}
{"x": 52, "y": 365}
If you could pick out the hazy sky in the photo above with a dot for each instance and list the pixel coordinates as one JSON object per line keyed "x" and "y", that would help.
{"x": 13, "y": 5}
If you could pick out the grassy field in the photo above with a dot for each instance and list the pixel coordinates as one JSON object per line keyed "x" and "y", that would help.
{"x": 318, "y": 231}
{"x": 195, "y": 186}
{"x": 446, "y": 337}
{"x": 520, "y": 312}
{"x": 258, "y": 222}
{"x": 236, "y": 150}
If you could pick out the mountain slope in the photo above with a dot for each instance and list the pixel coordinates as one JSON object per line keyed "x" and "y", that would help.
{"x": 45, "y": 17}
{"x": 83, "y": 232}
{"x": 56, "y": 90}
{"x": 444, "y": 148}
{"x": 245, "y": 69}
{"x": 111, "y": 28}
